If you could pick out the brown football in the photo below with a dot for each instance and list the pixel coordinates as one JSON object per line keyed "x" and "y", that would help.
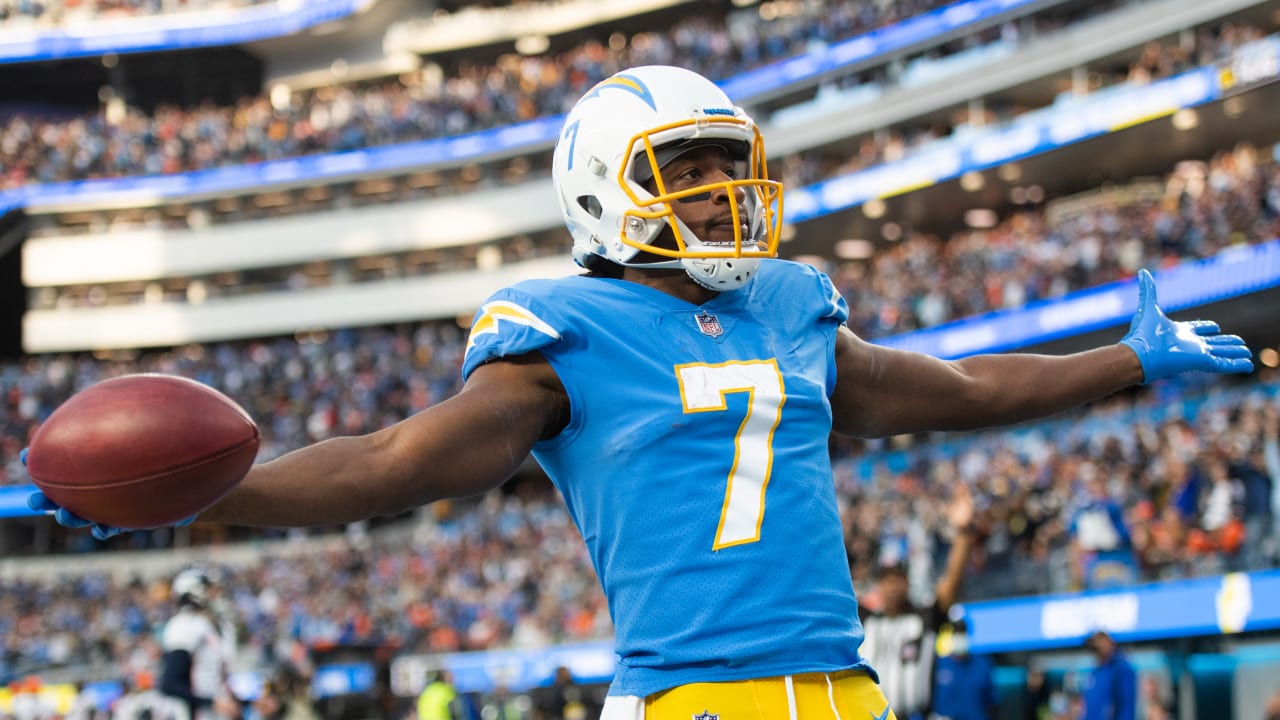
{"x": 142, "y": 451}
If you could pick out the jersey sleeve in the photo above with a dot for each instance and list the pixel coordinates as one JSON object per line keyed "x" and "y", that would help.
{"x": 822, "y": 309}
{"x": 510, "y": 323}
{"x": 185, "y": 632}
{"x": 835, "y": 308}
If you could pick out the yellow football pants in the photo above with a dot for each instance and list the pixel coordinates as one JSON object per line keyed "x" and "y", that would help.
{"x": 848, "y": 695}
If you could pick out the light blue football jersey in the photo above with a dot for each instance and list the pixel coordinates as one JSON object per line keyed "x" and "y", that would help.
{"x": 695, "y": 464}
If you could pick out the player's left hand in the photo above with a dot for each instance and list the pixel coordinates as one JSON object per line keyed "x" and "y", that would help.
{"x": 1167, "y": 348}
{"x": 40, "y": 502}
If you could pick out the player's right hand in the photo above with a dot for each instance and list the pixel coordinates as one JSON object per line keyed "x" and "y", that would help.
{"x": 39, "y": 502}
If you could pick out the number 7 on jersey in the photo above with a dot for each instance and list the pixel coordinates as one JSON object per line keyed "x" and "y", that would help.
{"x": 703, "y": 388}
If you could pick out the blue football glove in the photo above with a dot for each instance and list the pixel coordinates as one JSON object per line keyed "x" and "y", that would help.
{"x": 1167, "y": 348}
{"x": 39, "y": 502}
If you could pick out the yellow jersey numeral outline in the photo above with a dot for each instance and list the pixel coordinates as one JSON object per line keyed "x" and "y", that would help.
{"x": 703, "y": 388}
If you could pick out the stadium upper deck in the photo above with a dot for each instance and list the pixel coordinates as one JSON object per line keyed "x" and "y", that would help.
{"x": 469, "y": 220}
{"x": 160, "y": 264}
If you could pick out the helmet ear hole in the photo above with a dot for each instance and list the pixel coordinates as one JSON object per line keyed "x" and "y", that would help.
{"x": 591, "y": 204}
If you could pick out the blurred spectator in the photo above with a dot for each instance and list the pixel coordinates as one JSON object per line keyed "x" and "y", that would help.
{"x": 899, "y": 638}
{"x": 1102, "y": 551}
{"x": 1154, "y": 703}
{"x": 1260, "y": 473}
{"x": 502, "y": 705}
{"x": 963, "y": 683}
{"x": 142, "y": 701}
{"x": 1221, "y": 532}
{"x": 440, "y": 700}
{"x": 285, "y": 696}
{"x": 84, "y": 706}
{"x": 563, "y": 699}
{"x": 1110, "y": 691}
{"x": 1273, "y": 707}
{"x": 1037, "y": 696}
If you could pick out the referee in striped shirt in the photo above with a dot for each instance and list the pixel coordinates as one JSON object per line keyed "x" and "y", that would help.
{"x": 900, "y": 638}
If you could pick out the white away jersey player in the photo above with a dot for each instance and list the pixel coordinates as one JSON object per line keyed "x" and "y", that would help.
{"x": 695, "y": 464}
{"x": 193, "y": 632}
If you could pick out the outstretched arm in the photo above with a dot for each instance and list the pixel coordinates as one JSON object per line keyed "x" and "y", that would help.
{"x": 882, "y": 392}
{"x": 468, "y": 444}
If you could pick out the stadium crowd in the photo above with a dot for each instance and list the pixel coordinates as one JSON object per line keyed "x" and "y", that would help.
{"x": 475, "y": 96}
{"x": 1197, "y": 211}
{"x": 1171, "y": 481}
{"x": 336, "y": 118}
{"x": 509, "y": 571}
{"x": 54, "y": 13}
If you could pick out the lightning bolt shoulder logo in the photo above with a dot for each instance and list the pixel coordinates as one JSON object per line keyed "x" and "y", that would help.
{"x": 630, "y": 84}
{"x": 886, "y": 715}
{"x": 500, "y": 311}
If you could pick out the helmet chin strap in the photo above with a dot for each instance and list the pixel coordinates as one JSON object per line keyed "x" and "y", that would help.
{"x": 712, "y": 275}
{"x": 720, "y": 274}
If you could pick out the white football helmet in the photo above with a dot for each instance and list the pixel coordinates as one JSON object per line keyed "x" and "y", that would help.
{"x": 621, "y": 133}
{"x": 192, "y": 587}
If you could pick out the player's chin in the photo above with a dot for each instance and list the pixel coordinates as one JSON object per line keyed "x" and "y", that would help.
{"x": 725, "y": 236}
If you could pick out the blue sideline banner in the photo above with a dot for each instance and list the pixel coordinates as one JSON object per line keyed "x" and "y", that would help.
{"x": 13, "y": 501}
{"x": 1223, "y": 605}
{"x": 172, "y": 31}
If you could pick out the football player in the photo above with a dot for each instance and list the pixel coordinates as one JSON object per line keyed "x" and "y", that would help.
{"x": 680, "y": 395}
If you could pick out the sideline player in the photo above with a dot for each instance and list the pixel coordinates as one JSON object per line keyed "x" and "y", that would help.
{"x": 680, "y": 396}
{"x": 196, "y": 650}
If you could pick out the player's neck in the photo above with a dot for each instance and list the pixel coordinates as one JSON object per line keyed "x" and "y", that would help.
{"x": 676, "y": 283}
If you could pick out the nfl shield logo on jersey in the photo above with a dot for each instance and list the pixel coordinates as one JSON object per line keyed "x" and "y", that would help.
{"x": 710, "y": 326}
{"x": 706, "y": 716}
